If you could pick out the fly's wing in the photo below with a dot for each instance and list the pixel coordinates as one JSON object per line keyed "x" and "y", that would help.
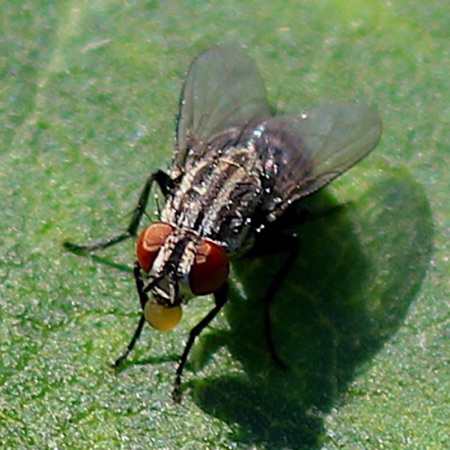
{"x": 301, "y": 154}
{"x": 223, "y": 97}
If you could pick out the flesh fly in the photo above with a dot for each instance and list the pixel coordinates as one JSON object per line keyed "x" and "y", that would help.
{"x": 236, "y": 169}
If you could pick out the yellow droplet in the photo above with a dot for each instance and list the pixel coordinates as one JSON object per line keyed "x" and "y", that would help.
{"x": 161, "y": 317}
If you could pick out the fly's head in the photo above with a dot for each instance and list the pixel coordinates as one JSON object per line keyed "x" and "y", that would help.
{"x": 178, "y": 265}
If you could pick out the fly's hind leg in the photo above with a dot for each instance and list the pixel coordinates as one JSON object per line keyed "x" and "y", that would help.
{"x": 283, "y": 243}
{"x": 164, "y": 182}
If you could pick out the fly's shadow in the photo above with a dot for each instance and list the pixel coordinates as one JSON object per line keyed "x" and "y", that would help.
{"x": 359, "y": 269}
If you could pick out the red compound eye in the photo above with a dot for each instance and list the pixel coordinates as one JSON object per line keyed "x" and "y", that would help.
{"x": 149, "y": 242}
{"x": 210, "y": 269}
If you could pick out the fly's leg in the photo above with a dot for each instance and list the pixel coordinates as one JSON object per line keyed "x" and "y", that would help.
{"x": 164, "y": 182}
{"x": 220, "y": 298}
{"x": 143, "y": 299}
{"x": 118, "y": 362}
{"x": 284, "y": 243}
{"x": 270, "y": 295}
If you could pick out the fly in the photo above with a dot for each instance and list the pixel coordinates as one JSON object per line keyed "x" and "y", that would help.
{"x": 235, "y": 171}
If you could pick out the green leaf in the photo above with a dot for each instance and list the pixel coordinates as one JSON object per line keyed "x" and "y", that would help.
{"x": 88, "y": 101}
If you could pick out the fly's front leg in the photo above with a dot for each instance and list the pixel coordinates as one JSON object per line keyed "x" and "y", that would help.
{"x": 220, "y": 298}
{"x": 164, "y": 182}
{"x": 143, "y": 299}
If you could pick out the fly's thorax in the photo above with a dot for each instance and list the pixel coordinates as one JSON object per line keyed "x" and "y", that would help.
{"x": 218, "y": 195}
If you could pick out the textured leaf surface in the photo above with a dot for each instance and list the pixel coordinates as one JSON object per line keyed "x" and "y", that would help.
{"x": 88, "y": 100}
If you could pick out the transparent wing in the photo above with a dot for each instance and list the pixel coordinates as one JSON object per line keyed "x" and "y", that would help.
{"x": 223, "y": 96}
{"x": 303, "y": 153}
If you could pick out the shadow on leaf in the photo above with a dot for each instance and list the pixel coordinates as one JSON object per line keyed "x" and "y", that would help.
{"x": 359, "y": 269}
